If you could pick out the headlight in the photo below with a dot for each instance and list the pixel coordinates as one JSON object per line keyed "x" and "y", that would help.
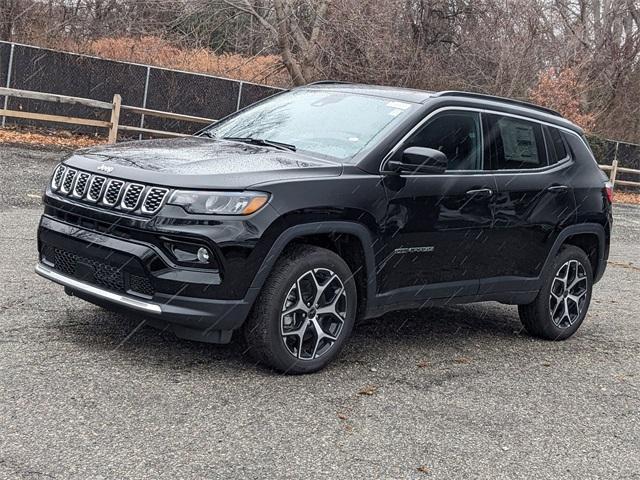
{"x": 219, "y": 203}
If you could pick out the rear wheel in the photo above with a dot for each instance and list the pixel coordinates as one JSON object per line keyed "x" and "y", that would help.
{"x": 304, "y": 313}
{"x": 563, "y": 301}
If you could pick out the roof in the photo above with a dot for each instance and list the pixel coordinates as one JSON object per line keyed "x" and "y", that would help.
{"x": 393, "y": 93}
{"x": 422, "y": 96}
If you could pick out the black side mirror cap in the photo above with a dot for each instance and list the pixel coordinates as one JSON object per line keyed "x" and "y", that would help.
{"x": 420, "y": 160}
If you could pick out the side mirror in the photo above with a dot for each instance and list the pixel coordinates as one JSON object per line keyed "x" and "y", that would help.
{"x": 420, "y": 160}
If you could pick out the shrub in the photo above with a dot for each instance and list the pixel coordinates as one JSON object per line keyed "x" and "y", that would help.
{"x": 563, "y": 91}
{"x": 156, "y": 51}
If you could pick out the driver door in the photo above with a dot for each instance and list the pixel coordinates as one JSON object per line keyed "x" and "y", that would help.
{"x": 438, "y": 226}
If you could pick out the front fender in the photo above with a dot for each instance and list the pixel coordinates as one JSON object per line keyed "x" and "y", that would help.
{"x": 315, "y": 228}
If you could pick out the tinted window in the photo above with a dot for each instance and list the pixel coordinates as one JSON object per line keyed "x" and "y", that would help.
{"x": 555, "y": 145}
{"x": 516, "y": 144}
{"x": 457, "y": 135}
{"x": 333, "y": 124}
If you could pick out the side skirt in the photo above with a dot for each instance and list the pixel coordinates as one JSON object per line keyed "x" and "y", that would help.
{"x": 508, "y": 290}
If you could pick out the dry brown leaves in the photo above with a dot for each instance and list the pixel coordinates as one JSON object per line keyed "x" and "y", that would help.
{"x": 48, "y": 138}
{"x": 267, "y": 69}
{"x": 368, "y": 390}
{"x": 626, "y": 197}
{"x": 461, "y": 360}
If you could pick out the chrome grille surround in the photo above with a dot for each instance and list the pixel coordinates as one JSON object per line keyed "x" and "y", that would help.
{"x": 67, "y": 184}
{"x": 82, "y": 182}
{"x": 58, "y": 175}
{"x": 112, "y": 192}
{"x": 95, "y": 188}
{"x": 154, "y": 199}
{"x": 131, "y": 197}
{"x": 107, "y": 192}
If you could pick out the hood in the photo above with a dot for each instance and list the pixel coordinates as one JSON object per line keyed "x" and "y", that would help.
{"x": 196, "y": 162}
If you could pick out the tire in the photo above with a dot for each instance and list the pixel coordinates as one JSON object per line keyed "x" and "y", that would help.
{"x": 557, "y": 316}
{"x": 291, "y": 342}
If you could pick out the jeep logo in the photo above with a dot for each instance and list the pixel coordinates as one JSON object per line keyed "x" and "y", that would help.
{"x": 105, "y": 169}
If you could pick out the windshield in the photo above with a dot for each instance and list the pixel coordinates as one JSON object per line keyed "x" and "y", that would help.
{"x": 332, "y": 124}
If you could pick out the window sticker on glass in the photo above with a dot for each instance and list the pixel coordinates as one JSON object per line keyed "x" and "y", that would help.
{"x": 398, "y": 105}
{"x": 519, "y": 142}
{"x": 395, "y": 113}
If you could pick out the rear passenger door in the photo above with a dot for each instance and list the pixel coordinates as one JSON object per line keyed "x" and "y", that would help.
{"x": 534, "y": 199}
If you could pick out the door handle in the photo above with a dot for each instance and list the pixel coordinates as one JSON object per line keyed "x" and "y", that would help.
{"x": 480, "y": 192}
{"x": 557, "y": 188}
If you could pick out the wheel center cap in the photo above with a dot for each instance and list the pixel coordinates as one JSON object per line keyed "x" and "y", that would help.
{"x": 312, "y": 312}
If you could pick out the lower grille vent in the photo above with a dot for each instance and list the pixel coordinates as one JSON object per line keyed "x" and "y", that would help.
{"x": 140, "y": 285}
{"x": 98, "y": 273}
{"x": 104, "y": 275}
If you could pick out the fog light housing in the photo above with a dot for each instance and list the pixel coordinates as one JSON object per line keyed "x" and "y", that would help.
{"x": 203, "y": 255}
{"x": 190, "y": 254}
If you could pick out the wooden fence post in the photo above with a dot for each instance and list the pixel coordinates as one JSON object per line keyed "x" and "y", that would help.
{"x": 115, "y": 118}
{"x": 614, "y": 167}
{"x": 614, "y": 172}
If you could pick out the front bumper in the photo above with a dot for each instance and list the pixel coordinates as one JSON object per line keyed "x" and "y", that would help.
{"x": 133, "y": 276}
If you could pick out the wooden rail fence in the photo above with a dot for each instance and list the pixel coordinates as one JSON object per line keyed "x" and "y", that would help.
{"x": 116, "y": 107}
{"x": 614, "y": 169}
{"x": 113, "y": 125}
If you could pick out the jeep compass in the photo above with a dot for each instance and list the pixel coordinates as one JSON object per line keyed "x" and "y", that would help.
{"x": 289, "y": 220}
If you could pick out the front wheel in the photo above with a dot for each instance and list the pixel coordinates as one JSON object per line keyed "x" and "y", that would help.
{"x": 304, "y": 313}
{"x": 563, "y": 301}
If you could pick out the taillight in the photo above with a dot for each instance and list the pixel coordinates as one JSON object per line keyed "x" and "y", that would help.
{"x": 608, "y": 190}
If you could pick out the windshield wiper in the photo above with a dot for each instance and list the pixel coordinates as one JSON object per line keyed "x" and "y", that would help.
{"x": 206, "y": 133}
{"x": 263, "y": 142}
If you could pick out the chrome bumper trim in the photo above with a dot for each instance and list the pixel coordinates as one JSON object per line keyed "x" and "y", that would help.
{"x": 126, "y": 301}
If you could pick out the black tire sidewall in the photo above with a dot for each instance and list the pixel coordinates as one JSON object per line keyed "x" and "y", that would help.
{"x": 547, "y": 326}
{"x": 288, "y": 270}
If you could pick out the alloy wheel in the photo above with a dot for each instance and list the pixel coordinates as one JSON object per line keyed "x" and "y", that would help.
{"x": 568, "y": 294}
{"x": 313, "y": 314}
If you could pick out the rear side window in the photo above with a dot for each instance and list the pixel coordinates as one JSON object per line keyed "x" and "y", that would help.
{"x": 516, "y": 144}
{"x": 556, "y": 149}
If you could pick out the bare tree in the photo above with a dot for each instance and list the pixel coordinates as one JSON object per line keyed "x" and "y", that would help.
{"x": 587, "y": 50}
{"x": 296, "y": 26}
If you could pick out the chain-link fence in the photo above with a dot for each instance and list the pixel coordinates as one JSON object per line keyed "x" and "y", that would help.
{"x": 38, "y": 69}
{"x": 43, "y": 70}
{"x": 627, "y": 155}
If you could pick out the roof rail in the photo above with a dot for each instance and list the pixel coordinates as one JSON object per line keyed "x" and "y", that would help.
{"x": 328, "y": 82}
{"x": 520, "y": 103}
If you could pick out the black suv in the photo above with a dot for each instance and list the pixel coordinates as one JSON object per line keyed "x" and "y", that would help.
{"x": 296, "y": 216}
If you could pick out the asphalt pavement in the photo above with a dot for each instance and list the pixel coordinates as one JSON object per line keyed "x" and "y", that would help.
{"x": 458, "y": 392}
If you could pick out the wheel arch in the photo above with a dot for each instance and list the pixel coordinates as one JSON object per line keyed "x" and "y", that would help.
{"x": 335, "y": 236}
{"x": 591, "y": 238}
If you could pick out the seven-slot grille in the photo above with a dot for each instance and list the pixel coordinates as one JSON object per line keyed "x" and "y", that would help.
{"x": 67, "y": 183}
{"x": 108, "y": 192}
{"x": 95, "y": 188}
{"x": 153, "y": 200}
{"x": 81, "y": 185}
{"x": 111, "y": 195}
{"x": 58, "y": 175}
{"x": 131, "y": 196}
